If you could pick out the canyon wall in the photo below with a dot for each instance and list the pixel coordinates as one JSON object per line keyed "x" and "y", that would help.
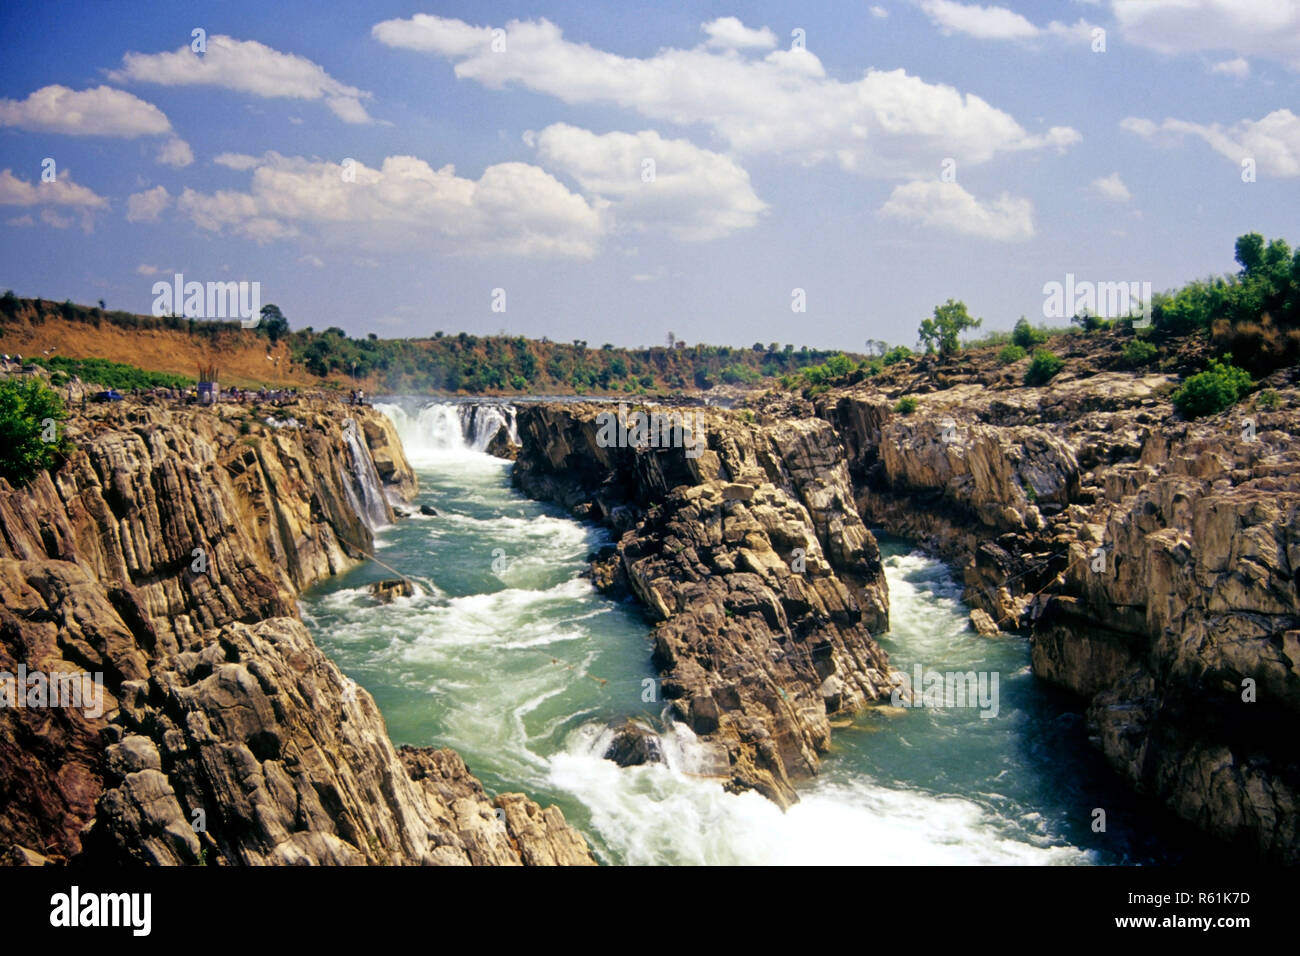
{"x": 762, "y": 581}
{"x": 1155, "y": 562}
{"x": 167, "y": 553}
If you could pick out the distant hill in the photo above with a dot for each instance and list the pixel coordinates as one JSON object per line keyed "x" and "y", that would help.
{"x": 465, "y": 363}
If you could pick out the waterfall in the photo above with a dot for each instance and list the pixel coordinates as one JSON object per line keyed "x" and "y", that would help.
{"x": 365, "y": 491}
{"x": 442, "y": 427}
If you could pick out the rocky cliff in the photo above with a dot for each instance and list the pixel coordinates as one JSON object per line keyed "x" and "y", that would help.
{"x": 1155, "y": 561}
{"x": 749, "y": 557}
{"x": 167, "y": 554}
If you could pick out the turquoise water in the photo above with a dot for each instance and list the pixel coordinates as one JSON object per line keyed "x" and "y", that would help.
{"x": 509, "y": 656}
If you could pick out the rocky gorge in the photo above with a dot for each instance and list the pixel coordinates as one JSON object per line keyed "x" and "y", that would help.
{"x": 1153, "y": 562}
{"x": 166, "y": 554}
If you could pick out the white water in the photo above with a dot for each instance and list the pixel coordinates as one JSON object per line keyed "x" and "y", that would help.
{"x": 441, "y": 427}
{"x": 367, "y": 497}
{"x": 520, "y": 666}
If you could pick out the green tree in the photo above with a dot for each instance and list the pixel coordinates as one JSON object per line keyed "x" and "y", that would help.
{"x": 273, "y": 323}
{"x": 1025, "y": 335}
{"x": 30, "y": 413}
{"x": 943, "y": 331}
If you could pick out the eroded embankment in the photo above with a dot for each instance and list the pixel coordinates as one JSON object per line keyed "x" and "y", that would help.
{"x": 167, "y": 554}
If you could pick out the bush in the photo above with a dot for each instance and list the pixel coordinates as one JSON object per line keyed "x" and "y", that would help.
{"x": 1011, "y": 353}
{"x": 1043, "y": 368}
{"x": 1267, "y": 399}
{"x": 1138, "y": 352}
{"x": 1026, "y": 336}
{"x": 898, "y": 353}
{"x": 906, "y": 405}
{"x": 27, "y": 409}
{"x": 1213, "y": 390}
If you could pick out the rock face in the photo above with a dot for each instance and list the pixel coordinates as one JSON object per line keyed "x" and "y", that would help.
{"x": 1157, "y": 561}
{"x": 166, "y": 554}
{"x": 749, "y": 557}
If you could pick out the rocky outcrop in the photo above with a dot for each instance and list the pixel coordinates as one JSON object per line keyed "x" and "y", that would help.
{"x": 1154, "y": 560}
{"x": 749, "y": 557}
{"x": 166, "y": 554}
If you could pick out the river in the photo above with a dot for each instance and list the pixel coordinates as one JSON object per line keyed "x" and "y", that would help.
{"x": 508, "y": 655}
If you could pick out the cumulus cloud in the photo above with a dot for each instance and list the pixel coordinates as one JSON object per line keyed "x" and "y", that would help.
{"x": 648, "y": 182}
{"x": 887, "y": 123}
{"x": 880, "y": 12}
{"x": 949, "y": 207}
{"x": 1273, "y": 141}
{"x": 1112, "y": 187}
{"x": 1249, "y": 28}
{"x": 246, "y": 66}
{"x": 147, "y": 206}
{"x": 175, "y": 152}
{"x": 995, "y": 23}
{"x": 729, "y": 33}
{"x": 238, "y": 161}
{"x": 512, "y": 209}
{"x": 1238, "y": 67}
{"x": 62, "y": 192}
{"x": 102, "y": 111}
{"x": 985, "y": 23}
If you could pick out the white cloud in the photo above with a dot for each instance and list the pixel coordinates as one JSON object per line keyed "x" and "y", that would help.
{"x": 52, "y": 218}
{"x": 1249, "y": 28}
{"x": 949, "y": 207}
{"x": 885, "y": 124}
{"x": 880, "y": 12}
{"x": 996, "y": 23}
{"x": 729, "y": 33}
{"x": 513, "y": 208}
{"x": 147, "y": 270}
{"x": 61, "y": 192}
{"x": 238, "y": 161}
{"x": 147, "y": 206}
{"x": 175, "y": 152}
{"x": 316, "y": 262}
{"x": 1239, "y": 67}
{"x": 21, "y": 221}
{"x": 1272, "y": 141}
{"x": 1112, "y": 187}
{"x": 246, "y": 66}
{"x": 102, "y": 111}
{"x": 984, "y": 23}
{"x": 695, "y": 194}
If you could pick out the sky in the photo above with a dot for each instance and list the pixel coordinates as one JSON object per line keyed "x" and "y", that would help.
{"x": 728, "y": 173}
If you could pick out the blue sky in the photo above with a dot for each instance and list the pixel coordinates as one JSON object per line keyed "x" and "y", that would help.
{"x": 516, "y": 160}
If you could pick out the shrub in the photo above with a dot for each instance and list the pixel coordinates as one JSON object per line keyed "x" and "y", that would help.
{"x": 1011, "y": 353}
{"x": 1213, "y": 390}
{"x": 1043, "y": 368}
{"x": 1026, "y": 336}
{"x": 906, "y": 405}
{"x": 1138, "y": 352}
{"x": 898, "y": 353}
{"x": 27, "y": 408}
{"x": 1267, "y": 399}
